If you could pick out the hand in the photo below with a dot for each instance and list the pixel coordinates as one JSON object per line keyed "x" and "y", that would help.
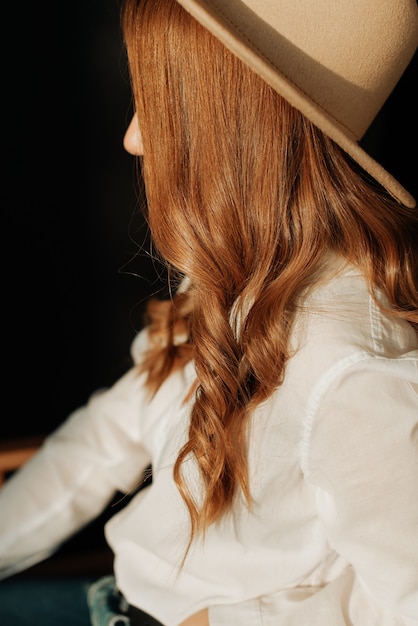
{"x": 197, "y": 619}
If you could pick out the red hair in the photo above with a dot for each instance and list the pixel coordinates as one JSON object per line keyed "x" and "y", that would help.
{"x": 245, "y": 196}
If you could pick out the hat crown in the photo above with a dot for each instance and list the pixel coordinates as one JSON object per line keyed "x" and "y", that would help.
{"x": 346, "y": 56}
{"x": 336, "y": 61}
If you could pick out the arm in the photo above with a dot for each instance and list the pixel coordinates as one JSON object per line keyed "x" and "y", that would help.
{"x": 363, "y": 461}
{"x": 95, "y": 453}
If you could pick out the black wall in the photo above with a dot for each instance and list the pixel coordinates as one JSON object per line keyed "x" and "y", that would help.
{"x": 73, "y": 290}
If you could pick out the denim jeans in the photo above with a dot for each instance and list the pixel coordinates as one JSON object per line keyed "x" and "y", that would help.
{"x": 44, "y": 601}
{"x": 67, "y": 601}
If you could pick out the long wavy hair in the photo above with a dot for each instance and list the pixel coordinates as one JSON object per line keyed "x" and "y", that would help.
{"x": 245, "y": 197}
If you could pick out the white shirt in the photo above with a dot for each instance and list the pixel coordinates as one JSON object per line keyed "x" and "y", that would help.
{"x": 332, "y": 539}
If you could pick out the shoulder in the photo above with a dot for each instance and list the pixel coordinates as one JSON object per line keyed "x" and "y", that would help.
{"x": 358, "y": 366}
{"x": 341, "y": 321}
{"x": 339, "y": 330}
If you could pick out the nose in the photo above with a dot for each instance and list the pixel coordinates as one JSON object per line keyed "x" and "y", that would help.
{"x": 132, "y": 141}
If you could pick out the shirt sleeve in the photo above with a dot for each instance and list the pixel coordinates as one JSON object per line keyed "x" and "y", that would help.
{"x": 95, "y": 453}
{"x": 362, "y": 458}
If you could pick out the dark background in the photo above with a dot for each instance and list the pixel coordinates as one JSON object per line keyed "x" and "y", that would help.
{"x": 74, "y": 281}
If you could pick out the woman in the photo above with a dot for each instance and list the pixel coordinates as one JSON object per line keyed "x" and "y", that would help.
{"x": 276, "y": 393}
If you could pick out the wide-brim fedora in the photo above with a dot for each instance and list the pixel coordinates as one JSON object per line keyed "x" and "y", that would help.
{"x": 337, "y": 61}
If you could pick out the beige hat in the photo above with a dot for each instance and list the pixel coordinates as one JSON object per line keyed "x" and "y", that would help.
{"x": 336, "y": 61}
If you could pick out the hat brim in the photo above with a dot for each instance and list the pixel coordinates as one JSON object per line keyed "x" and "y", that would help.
{"x": 222, "y": 29}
